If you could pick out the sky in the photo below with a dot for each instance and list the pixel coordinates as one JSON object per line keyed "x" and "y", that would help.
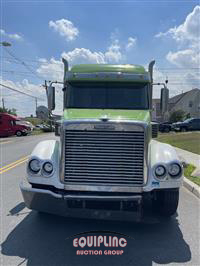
{"x": 116, "y": 32}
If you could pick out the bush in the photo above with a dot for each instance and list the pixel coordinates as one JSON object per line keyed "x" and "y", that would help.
{"x": 176, "y": 116}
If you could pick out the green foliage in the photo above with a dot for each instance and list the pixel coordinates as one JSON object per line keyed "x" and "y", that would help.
{"x": 34, "y": 120}
{"x": 176, "y": 116}
{"x": 11, "y": 111}
{"x": 187, "y": 116}
{"x": 188, "y": 170}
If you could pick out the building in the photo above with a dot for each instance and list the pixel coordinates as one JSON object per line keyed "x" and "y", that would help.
{"x": 188, "y": 101}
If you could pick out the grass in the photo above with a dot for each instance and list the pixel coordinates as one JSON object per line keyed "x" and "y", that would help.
{"x": 189, "y": 141}
{"x": 188, "y": 170}
{"x": 37, "y": 132}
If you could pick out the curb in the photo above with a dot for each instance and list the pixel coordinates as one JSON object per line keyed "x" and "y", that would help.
{"x": 191, "y": 187}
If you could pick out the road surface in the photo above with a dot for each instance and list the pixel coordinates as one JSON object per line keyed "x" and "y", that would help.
{"x": 30, "y": 239}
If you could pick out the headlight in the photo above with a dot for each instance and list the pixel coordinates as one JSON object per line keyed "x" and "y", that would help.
{"x": 174, "y": 169}
{"x": 160, "y": 171}
{"x": 34, "y": 165}
{"x": 48, "y": 168}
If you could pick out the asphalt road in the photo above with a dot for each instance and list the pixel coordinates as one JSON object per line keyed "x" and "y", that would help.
{"x": 30, "y": 239}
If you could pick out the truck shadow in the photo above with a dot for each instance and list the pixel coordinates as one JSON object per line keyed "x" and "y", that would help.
{"x": 44, "y": 240}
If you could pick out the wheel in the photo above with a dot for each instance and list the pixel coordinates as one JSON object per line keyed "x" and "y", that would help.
{"x": 165, "y": 203}
{"x": 18, "y": 133}
{"x": 183, "y": 129}
{"x": 166, "y": 130}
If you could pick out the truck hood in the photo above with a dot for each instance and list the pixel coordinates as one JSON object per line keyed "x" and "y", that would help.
{"x": 139, "y": 115}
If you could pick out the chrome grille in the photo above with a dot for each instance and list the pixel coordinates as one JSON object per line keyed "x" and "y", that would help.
{"x": 104, "y": 157}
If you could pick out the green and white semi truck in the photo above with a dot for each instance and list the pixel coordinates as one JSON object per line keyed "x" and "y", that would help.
{"x": 106, "y": 162}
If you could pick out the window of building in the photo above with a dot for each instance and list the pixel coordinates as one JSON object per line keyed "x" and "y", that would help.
{"x": 190, "y": 103}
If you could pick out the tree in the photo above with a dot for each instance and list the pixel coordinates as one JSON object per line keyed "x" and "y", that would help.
{"x": 176, "y": 116}
{"x": 11, "y": 111}
{"x": 187, "y": 116}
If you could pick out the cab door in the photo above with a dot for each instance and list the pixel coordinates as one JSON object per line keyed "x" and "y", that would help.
{"x": 1, "y": 127}
{"x": 12, "y": 125}
{"x": 5, "y": 127}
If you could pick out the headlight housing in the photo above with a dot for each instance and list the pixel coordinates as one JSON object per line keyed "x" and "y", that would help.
{"x": 174, "y": 170}
{"x": 160, "y": 171}
{"x": 34, "y": 165}
{"x": 48, "y": 168}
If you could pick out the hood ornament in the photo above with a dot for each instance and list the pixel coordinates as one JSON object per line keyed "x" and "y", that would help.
{"x": 104, "y": 118}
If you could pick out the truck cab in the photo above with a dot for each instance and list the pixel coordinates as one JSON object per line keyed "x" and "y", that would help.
{"x": 106, "y": 162}
{"x": 11, "y": 125}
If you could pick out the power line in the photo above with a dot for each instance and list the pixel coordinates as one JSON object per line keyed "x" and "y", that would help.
{"x": 178, "y": 68}
{"x": 18, "y": 73}
{"x": 8, "y": 95}
{"x": 156, "y": 68}
{"x": 22, "y": 62}
{"x": 10, "y": 88}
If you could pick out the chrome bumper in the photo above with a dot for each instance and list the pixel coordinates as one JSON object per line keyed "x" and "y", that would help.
{"x": 74, "y": 205}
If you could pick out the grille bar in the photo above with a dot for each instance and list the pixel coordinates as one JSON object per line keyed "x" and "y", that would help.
{"x": 104, "y": 157}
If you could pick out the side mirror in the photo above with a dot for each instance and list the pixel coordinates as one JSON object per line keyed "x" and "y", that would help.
{"x": 164, "y": 100}
{"x": 51, "y": 97}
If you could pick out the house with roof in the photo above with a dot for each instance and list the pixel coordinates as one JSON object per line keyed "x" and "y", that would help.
{"x": 188, "y": 101}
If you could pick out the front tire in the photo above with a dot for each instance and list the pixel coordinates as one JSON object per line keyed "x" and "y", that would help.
{"x": 183, "y": 129}
{"x": 18, "y": 133}
{"x": 165, "y": 203}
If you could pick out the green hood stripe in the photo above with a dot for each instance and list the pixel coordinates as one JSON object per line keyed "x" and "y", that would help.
{"x": 139, "y": 115}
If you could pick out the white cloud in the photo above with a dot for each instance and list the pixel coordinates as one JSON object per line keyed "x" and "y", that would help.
{"x": 114, "y": 52}
{"x": 131, "y": 43}
{"x": 187, "y": 55}
{"x": 52, "y": 69}
{"x": 188, "y": 35}
{"x": 188, "y": 31}
{"x": 83, "y": 55}
{"x": 13, "y": 36}
{"x": 65, "y": 28}
{"x": 188, "y": 58}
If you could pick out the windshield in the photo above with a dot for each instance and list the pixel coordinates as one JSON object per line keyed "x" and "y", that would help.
{"x": 107, "y": 96}
{"x": 188, "y": 120}
{"x": 20, "y": 123}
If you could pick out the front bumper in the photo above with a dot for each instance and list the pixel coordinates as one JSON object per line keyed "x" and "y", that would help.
{"x": 83, "y": 206}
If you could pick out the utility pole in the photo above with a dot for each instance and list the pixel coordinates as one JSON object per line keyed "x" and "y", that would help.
{"x": 3, "y": 103}
{"x": 36, "y": 104}
{"x": 21, "y": 92}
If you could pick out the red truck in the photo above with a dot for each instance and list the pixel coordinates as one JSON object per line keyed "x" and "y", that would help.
{"x": 12, "y": 125}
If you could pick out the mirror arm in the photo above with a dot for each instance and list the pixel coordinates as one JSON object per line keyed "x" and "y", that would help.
{"x": 56, "y": 82}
